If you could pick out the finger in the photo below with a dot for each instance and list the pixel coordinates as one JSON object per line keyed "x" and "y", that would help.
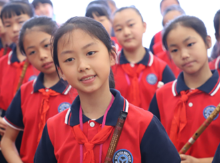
{"x": 3, "y": 126}
{"x": 2, "y": 132}
{"x": 183, "y": 157}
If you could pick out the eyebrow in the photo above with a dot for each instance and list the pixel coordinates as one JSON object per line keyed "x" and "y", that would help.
{"x": 84, "y": 47}
{"x": 40, "y": 43}
{"x": 188, "y": 38}
{"x": 126, "y": 22}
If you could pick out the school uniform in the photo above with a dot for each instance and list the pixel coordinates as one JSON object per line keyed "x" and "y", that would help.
{"x": 217, "y": 156}
{"x": 118, "y": 47}
{"x": 10, "y": 72}
{"x": 32, "y": 106}
{"x": 138, "y": 82}
{"x": 6, "y": 50}
{"x": 182, "y": 111}
{"x": 157, "y": 48}
{"x": 215, "y": 64}
{"x": 143, "y": 139}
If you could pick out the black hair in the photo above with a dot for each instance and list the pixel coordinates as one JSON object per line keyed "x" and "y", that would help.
{"x": 43, "y": 23}
{"x": 130, "y": 7}
{"x": 88, "y": 25}
{"x": 185, "y": 21}
{"x": 172, "y": 8}
{"x": 98, "y": 10}
{"x": 36, "y": 2}
{"x": 165, "y": 0}
{"x": 16, "y": 7}
{"x": 217, "y": 24}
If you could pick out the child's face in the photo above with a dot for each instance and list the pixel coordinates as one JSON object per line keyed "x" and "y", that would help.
{"x": 187, "y": 49}
{"x": 38, "y": 51}
{"x": 170, "y": 16}
{"x": 84, "y": 61}
{"x": 13, "y": 26}
{"x": 129, "y": 29}
{"x": 167, "y": 3}
{"x": 105, "y": 22}
{"x": 44, "y": 9}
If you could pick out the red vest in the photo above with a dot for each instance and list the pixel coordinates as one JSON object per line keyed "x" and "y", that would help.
{"x": 8, "y": 82}
{"x": 198, "y": 108}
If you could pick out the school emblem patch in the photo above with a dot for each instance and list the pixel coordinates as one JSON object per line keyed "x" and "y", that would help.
{"x": 208, "y": 110}
{"x": 63, "y": 106}
{"x": 151, "y": 79}
{"x": 33, "y": 77}
{"x": 123, "y": 156}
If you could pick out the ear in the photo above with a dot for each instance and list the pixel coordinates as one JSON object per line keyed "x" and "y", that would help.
{"x": 209, "y": 42}
{"x": 61, "y": 73}
{"x": 145, "y": 26}
{"x": 113, "y": 56}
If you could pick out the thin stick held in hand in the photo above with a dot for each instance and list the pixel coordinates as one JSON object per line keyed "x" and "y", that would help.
{"x": 115, "y": 137}
{"x": 200, "y": 130}
{"x": 22, "y": 74}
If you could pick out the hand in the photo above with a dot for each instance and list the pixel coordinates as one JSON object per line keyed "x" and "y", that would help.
{"x": 2, "y": 126}
{"x": 188, "y": 159}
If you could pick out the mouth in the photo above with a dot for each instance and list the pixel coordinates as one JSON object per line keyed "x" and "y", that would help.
{"x": 188, "y": 63}
{"x": 128, "y": 39}
{"x": 47, "y": 65}
{"x": 88, "y": 78}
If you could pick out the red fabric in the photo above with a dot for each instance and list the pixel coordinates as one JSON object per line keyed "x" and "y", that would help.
{"x": 46, "y": 93}
{"x": 160, "y": 52}
{"x": 9, "y": 80}
{"x": 19, "y": 68}
{"x": 134, "y": 74}
{"x": 99, "y": 138}
{"x": 207, "y": 143}
{"x": 65, "y": 144}
{"x": 117, "y": 45}
{"x": 146, "y": 90}
{"x": 2, "y": 51}
{"x": 30, "y": 109}
{"x": 179, "y": 119}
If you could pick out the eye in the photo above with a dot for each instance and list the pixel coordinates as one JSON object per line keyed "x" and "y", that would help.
{"x": 7, "y": 25}
{"x": 190, "y": 44}
{"x": 21, "y": 22}
{"x": 47, "y": 45}
{"x": 174, "y": 51}
{"x": 69, "y": 60}
{"x": 33, "y": 52}
{"x": 131, "y": 25}
{"x": 102, "y": 20}
{"x": 91, "y": 53}
{"x": 118, "y": 30}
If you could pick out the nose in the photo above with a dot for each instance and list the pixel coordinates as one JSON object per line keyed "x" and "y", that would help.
{"x": 83, "y": 65}
{"x": 127, "y": 31}
{"x": 43, "y": 54}
{"x": 184, "y": 54}
{"x": 16, "y": 28}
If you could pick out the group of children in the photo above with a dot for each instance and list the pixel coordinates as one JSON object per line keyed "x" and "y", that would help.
{"x": 62, "y": 88}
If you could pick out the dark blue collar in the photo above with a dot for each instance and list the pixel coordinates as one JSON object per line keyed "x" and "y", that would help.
{"x": 112, "y": 116}
{"x": 14, "y": 57}
{"x": 144, "y": 61}
{"x": 208, "y": 87}
{"x": 60, "y": 87}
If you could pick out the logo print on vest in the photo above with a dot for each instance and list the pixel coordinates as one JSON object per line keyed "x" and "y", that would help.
{"x": 151, "y": 79}
{"x": 123, "y": 156}
{"x": 63, "y": 106}
{"x": 208, "y": 110}
{"x": 33, "y": 77}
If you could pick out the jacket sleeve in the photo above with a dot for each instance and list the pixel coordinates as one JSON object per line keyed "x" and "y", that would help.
{"x": 153, "y": 108}
{"x": 156, "y": 146}
{"x": 167, "y": 75}
{"x": 45, "y": 149}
